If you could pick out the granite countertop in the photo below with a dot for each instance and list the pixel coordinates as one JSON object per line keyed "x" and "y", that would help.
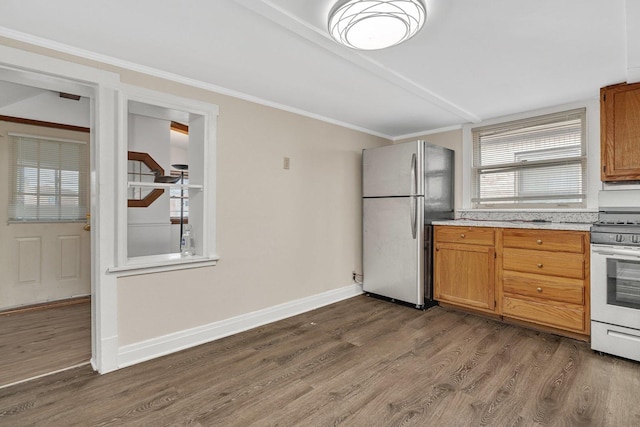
{"x": 576, "y": 226}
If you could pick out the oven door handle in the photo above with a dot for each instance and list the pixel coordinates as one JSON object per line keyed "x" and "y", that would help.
{"x": 616, "y": 252}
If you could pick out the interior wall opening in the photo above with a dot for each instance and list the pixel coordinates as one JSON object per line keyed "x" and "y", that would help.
{"x": 45, "y": 241}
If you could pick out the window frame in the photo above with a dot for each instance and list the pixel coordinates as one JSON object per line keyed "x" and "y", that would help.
{"x": 534, "y": 128}
{"x": 83, "y": 181}
{"x": 203, "y": 136}
{"x": 592, "y": 178}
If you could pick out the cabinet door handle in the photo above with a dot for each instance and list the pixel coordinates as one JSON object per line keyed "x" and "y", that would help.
{"x": 462, "y": 235}
{"x": 539, "y": 241}
{"x": 539, "y": 265}
{"x": 539, "y": 289}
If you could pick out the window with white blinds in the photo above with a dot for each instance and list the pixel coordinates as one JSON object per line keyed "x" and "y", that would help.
{"x": 537, "y": 162}
{"x": 48, "y": 179}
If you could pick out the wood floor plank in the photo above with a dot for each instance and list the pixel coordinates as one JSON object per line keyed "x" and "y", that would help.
{"x": 36, "y": 342}
{"x": 407, "y": 401}
{"x": 362, "y": 361}
{"x": 623, "y": 398}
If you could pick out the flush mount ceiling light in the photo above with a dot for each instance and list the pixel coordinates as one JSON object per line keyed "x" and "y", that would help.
{"x": 371, "y": 24}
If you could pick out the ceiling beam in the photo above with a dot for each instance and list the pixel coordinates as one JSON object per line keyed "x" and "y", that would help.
{"x": 321, "y": 38}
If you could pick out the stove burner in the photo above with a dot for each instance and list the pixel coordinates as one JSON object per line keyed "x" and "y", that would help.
{"x": 616, "y": 228}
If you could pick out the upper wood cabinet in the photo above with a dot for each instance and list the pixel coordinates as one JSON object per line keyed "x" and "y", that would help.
{"x": 620, "y": 132}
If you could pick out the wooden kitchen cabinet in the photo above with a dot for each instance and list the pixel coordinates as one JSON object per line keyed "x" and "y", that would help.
{"x": 545, "y": 278}
{"x": 620, "y": 132}
{"x": 464, "y": 267}
{"x": 534, "y": 277}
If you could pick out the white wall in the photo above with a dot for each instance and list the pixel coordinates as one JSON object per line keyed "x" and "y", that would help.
{"x": 49, "y": 107}
{"x": 179, "y": 148}
{"x": 149, "y": 229}
{"x": 282, "y": 234}
{"x": 179, "y": 155}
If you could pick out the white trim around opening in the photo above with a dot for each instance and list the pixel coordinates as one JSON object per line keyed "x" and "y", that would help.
{"x": 100, "y": 86}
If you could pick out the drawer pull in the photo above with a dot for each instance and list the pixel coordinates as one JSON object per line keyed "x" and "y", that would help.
{"x": 462, "y": 236}
{"x": 539, "y": 241}
{"x": 539, "y": 289}
{"x": 539, "y": 265}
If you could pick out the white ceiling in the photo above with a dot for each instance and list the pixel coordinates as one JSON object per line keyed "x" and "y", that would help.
{"x": 473, "y": 60}
{"x": 33, "y": 103}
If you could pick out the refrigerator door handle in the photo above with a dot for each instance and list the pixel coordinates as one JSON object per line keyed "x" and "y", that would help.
{"x": 414, "y": 175}
{"x": 414, "y": 204}
{"x": 414, "y": 217}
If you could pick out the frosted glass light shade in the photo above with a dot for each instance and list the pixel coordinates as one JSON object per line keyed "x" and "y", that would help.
{"x": 375, "y": 24}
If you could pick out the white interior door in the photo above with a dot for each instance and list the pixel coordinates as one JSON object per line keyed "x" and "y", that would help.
{"x": 40, "y": 262}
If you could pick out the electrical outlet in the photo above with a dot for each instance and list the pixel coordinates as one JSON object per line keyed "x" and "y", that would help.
{"x": 286, "y": 163}
{"x": 353, "y": 275}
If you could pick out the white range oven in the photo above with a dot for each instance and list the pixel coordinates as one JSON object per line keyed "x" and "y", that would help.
{"x": 615, "y": 275}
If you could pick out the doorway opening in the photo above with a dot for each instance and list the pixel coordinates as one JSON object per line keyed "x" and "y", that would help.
{"x": 45, "y": 245}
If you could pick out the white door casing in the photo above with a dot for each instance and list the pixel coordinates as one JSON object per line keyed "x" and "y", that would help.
{"x": 101, "y": 87}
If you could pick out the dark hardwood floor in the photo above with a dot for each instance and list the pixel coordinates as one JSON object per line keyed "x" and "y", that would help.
{"x": 360, "y": 362}
{"x": 43, "y": 340}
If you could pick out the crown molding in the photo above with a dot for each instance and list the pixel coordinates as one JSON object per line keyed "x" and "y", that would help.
{"x": 321, "y": 38}
{"x": 131, "y": 66}
{"x": 427, "y": 132}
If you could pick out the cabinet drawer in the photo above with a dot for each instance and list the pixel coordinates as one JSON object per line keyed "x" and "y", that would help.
{"x": 544, "y": 314}
{"x": 468, "y": 235}
{"x": 543, "y": 262}
{"x": 544, "y": 287}
{"x": 544, "y": 240}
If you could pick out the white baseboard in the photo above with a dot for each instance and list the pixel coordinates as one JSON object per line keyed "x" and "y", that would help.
{"x": 160, "y": 346}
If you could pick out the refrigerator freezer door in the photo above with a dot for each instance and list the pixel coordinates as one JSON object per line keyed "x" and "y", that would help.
{"x": 392, "y": 254}
{"x": 393, "y": 170}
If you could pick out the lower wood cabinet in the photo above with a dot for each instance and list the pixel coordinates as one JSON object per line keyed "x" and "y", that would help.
{"x": 543, "y": 312}
{"x": 464, "y": 267}
{"x": 545, "y": 278}
{"x": 473, "y": 285}
{"x": 530, "y": 276}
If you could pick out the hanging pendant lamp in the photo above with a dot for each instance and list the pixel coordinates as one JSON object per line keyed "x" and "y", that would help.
{"x": 375, "y": 24}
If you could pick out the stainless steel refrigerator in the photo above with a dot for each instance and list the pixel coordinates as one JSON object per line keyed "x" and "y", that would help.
{"x": 404, "y": 187}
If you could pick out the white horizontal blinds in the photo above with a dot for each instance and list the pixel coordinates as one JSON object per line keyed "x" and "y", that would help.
{"x": 536, "y": 162}
{"x": 48, "y": 179}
